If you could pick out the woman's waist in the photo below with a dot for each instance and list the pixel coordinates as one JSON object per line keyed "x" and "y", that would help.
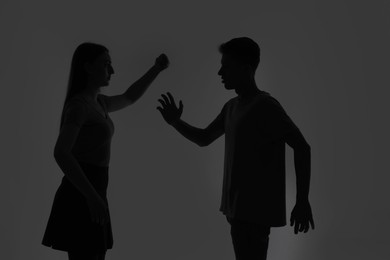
{"x": 95, "y": 158}
{"x": 96, "y": 175}
{"x": 93, "y": 165}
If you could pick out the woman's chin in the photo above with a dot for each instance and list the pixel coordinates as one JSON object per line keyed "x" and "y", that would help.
{"x": 228, "y": 87}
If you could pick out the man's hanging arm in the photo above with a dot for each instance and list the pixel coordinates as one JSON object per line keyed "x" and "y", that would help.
{"x": 301, "y": 216}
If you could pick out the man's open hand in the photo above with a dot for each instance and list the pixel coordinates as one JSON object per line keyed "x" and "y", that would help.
{"x": 170, "y": 112}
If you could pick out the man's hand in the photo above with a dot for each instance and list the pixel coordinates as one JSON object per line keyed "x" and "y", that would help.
{"x": 162, "y": 62}
{"x": 301, "y": 217}
{"x": 168, "y": 108}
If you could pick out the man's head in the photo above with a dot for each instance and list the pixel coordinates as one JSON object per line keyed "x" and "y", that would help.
{"x": 240, "y": 59}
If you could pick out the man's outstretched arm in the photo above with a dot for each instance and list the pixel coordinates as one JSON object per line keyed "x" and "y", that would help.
{"x": 202, "y": 137}
{"x": 301, "y": 216}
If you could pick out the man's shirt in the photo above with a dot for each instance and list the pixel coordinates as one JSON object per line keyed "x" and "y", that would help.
{"x": 254, "y": 165}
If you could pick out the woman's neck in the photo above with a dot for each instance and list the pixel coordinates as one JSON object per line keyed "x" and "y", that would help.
{"x": 91, "y": 93}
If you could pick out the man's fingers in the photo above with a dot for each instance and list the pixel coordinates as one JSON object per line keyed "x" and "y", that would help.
{"x": 162, "y": 102}
{"x": 307, "y": 228}
{"x": 171, "y": 98}
{"x": 166, "y": 99}
{"x": 161, "y": 111}
{"x": 312, "y": 223}
{"x": 291, "y": 222}
{"x": 302, "y": 227}
{"x": 181, "y": 106}
{"x": 296, "y": 226}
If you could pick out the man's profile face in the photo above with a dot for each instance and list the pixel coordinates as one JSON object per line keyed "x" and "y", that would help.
{"x": 233, "y": 72}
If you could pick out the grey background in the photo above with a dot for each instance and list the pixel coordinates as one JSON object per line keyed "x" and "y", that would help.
{"x": 327, "y": 62}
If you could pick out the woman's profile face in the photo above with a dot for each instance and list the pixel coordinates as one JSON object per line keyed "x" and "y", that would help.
{"x": 100, "y": 70}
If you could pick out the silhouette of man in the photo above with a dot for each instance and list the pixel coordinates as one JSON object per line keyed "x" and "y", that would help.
{"x": 256, "y": 128}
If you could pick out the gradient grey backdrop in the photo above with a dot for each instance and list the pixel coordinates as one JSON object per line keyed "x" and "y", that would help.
{"x": 327, "y": 62}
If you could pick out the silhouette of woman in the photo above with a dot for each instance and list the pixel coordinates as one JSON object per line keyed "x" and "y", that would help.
{"x": 79, "y": 221}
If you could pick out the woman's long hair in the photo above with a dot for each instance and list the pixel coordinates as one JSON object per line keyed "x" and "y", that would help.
{"x": 85, "y": 52}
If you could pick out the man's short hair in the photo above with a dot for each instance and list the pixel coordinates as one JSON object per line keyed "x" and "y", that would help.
{"x": 243, "y": 49}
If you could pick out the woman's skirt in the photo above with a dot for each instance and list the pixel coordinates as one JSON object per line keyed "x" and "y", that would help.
{"x": 69, "y": 226}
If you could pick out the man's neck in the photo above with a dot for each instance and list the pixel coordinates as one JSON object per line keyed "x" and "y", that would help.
{"x": 248, "y": 90}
